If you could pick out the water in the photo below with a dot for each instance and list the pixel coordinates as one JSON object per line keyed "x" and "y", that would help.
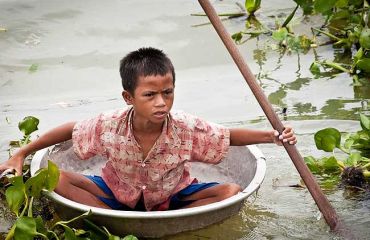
{"x": 77, "y": 47}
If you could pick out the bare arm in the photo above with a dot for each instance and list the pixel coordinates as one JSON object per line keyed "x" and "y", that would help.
{"x": 54, "y": 136}
{"x": 241, "y": 136}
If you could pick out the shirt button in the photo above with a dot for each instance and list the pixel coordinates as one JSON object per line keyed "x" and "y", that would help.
{"x": 143, "y": 164}
{"x": 143, "y": 187}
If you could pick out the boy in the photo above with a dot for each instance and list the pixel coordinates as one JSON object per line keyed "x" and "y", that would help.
{"x": 148, "y": 149}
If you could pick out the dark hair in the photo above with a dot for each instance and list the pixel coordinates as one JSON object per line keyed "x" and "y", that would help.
{"x": 145, "y": 61}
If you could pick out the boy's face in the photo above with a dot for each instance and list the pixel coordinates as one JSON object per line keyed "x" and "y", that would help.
{"x": 153, "y": 98}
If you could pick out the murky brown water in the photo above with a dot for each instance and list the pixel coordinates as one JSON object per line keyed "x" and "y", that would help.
{"x": 77, "y": 47}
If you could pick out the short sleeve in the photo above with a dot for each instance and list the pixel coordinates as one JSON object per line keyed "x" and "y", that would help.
{"x": 210, "y": 142}
{"x": 86, "y": 137}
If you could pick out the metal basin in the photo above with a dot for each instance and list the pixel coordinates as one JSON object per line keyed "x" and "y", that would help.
{"x": 243, "y": 165}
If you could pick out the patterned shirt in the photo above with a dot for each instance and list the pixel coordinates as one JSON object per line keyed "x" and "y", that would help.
{"x": 165, "y": 170}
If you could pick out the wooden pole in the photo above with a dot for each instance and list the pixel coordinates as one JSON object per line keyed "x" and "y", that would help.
{"x": 322, "y": 202}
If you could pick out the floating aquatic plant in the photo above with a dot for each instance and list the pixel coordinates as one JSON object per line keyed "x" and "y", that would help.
{"x": 346, "y": 24}
{"x": 21, "y": 192}
{"x": 352, "y": 170}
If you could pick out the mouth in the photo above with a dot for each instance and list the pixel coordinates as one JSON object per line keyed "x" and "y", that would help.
{"x": 160, "y": 114}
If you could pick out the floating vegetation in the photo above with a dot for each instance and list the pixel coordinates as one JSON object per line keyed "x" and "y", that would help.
{"x": 353, "y": 170}
{"x": 20, "y": 196}
{"x": 21, "y": 193}
{"x": 345, "y": 22}
{"x": 33, "y": 68}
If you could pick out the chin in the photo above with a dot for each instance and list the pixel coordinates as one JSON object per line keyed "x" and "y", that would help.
{"x": 157, "y": 121}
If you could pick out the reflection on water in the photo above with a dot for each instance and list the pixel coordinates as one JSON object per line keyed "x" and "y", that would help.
{"x": 304, "y": 108}
{"x": 277, "y": 97}
{"x": 361, "y": 92}
{"x": 244, "y": 225}
{"x": 336, "y": 105}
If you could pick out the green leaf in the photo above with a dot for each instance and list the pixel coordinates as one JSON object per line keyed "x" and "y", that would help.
{"x": 35, "y": 184}
{"x": 43, "y": 179}
{"x": 293, "y": 43}
{"x": 280, "y": 34}
{"x": 69, "y": 234}
{"x": 15, "y": 194}
{"x": 81, "y": 233}
{"x": 72, "y": 234}
{"x": 364, "y": 65}
{"x": 28, "y": 125}
{"x": 33, "y": 68}
{"x": 298, "y": 42}
{"x": 323, "y": 6}
{"x": 113, "y": 237}
{"x": 365, "y": 38}
{"x": 362, "y": 138}
{"x": 306, "y": 5}
{"x": 130, "y": 237}
{"x": 330, "y": 164}
{"x": 330, "y": 182}
{"x": 237, "y": 37}
{"x": 342, "y": 3}
{"x": 345, "y": 14}
{"x": 365, "y": 122}
{"x": 252, "y": 5}
{"x": 327, "y": 139}
{"x": 312, "y": 164}
{"x": 358, "y": 55}
{"x": 348, "y": 143}
{"x": 315, "y": 68}
{"x": 25, "y": 228}
{"x": 353, "y": 159}
{"x": 53, "y": 176}
{"x": 304, "y": 42}
{"x": 40, "y": 225}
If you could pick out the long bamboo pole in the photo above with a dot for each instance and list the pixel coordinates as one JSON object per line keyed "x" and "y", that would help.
{"x": 322, "y": 202}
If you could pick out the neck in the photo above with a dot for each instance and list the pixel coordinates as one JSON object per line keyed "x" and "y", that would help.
{"x": 140, "y": 125}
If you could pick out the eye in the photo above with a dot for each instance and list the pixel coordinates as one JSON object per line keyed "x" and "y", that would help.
{"x": 149, "y": 94}
{"x": 168, "y": 91}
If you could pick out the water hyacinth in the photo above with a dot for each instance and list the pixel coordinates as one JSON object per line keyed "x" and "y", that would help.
{"x": 21, "y": 191}
{"x": 354, "y": 170}
{"x": 346, "y": 25}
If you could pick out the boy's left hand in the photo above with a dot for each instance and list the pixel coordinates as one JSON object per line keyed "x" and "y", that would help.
{"x": 287, "y": 136}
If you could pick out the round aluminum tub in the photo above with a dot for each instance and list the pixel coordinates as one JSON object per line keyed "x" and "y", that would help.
{"x": 243, "y": 165}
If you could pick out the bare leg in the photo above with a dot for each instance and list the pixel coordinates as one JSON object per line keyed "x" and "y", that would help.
{"x": 213, "y": 194}
{"x": 79, "y": 188}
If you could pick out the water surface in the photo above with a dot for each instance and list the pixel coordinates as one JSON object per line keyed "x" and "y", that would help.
{"x": 77, "y": 46}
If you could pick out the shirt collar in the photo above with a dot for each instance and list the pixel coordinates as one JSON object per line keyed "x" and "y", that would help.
{"x": 168, "y": 136}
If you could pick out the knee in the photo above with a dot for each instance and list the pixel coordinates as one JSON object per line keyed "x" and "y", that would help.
{"x": 62, "y": 180}
{"x": 231, "y": 189}
{"x": 62, "y": 176}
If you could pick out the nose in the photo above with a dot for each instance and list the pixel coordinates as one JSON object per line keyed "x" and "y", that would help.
{"x": 159, "y": 101}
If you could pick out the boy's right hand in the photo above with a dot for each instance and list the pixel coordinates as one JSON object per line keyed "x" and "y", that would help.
{"x": 14, "y": 163}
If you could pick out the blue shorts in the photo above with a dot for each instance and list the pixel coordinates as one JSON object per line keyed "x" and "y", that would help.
{"x": 175, "y": 202}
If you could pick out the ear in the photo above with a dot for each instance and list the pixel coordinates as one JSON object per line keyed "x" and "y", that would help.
{"x": 127, "y": 97}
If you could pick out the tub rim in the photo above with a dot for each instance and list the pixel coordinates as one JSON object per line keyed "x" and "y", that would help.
{"x": 251, "y": 188}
